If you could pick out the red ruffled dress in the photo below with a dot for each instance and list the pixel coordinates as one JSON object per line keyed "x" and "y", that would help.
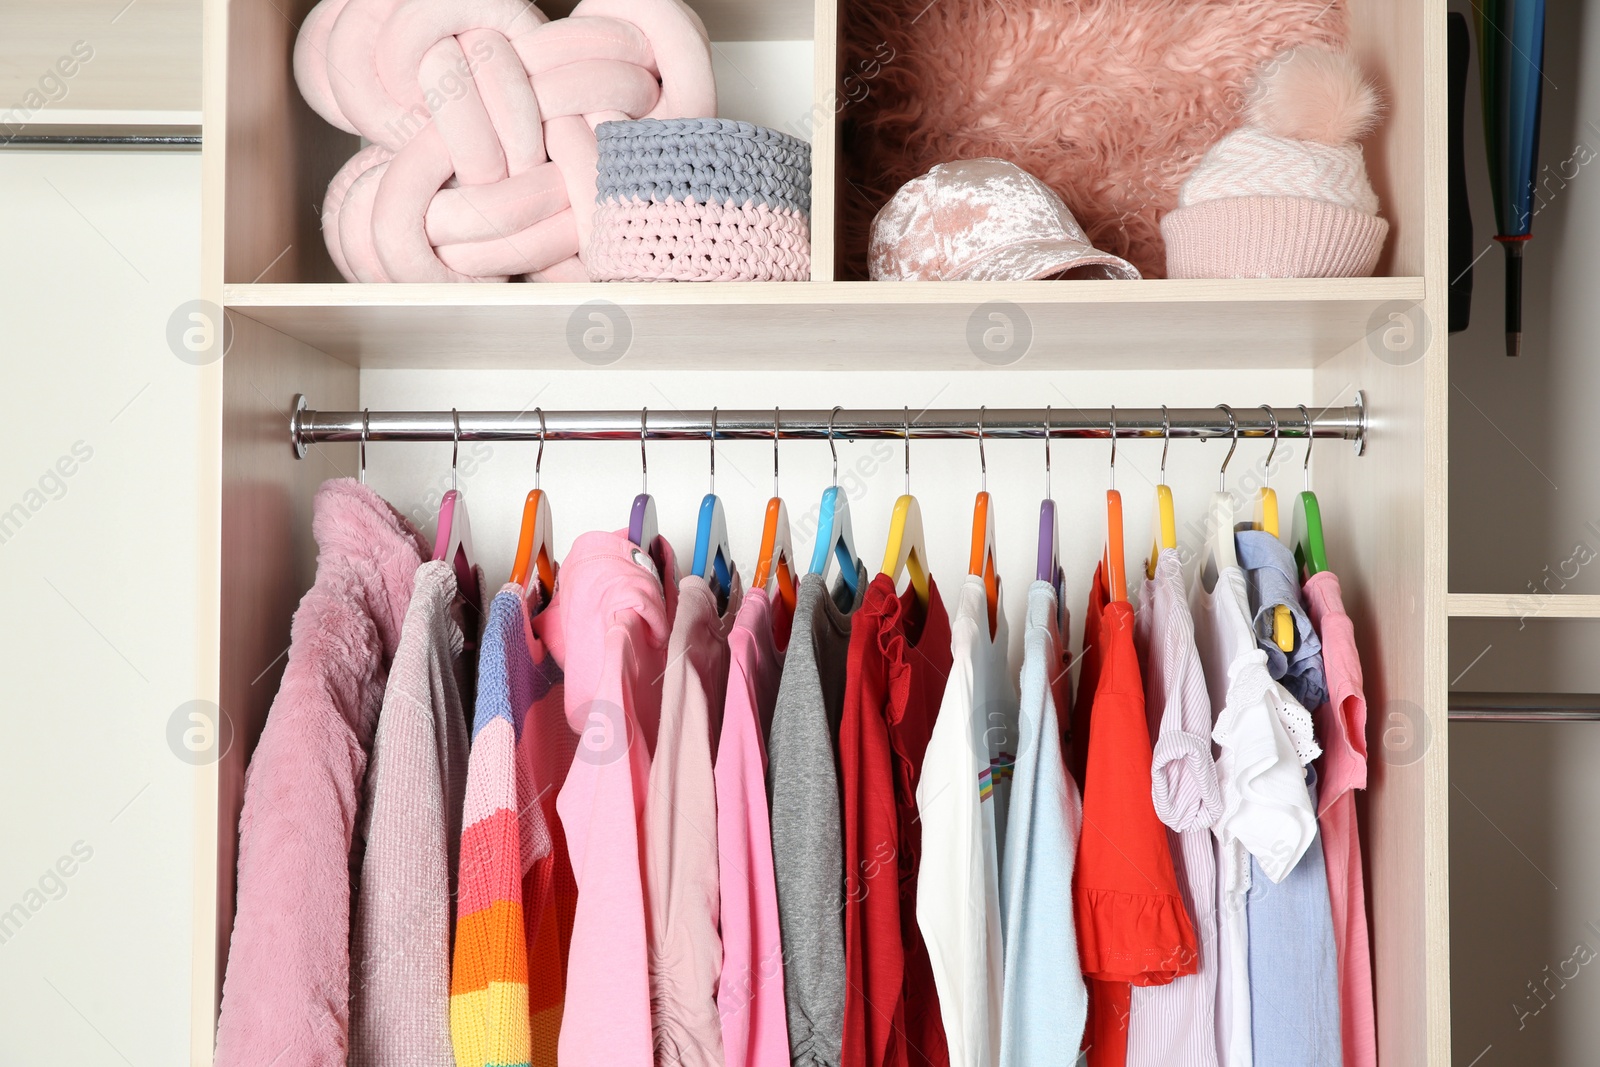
{"x": 894, "y": 684}
{"x": 1132, "y": 925}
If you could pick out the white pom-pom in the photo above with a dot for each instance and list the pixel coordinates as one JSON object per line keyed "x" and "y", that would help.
{"x": 1313, "y": 94}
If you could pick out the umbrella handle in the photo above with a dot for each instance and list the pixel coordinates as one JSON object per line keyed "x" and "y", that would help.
{"x": 1513, "y": 296}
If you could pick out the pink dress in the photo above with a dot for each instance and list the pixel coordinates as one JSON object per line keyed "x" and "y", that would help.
{"x": 680, "y": 843}
{"x": 611, "y": 640}
{"x": 750, "y": 997}
{"x": 1342, "y": 731}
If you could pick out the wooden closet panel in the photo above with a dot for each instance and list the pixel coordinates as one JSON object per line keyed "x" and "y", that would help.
{"x": 268, "y": 560}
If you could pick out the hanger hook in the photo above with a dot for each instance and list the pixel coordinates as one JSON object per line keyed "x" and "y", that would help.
{"x": 455, "y": 446}
{"x": 775, "y": 452}
{"x": 907, "y": 416}
{"x": 983, "y": 462}
{"x": 1273, "y": 451}
{"x": 1305, "y": 468}
{"x": 1113, "y": 446}
{"x": 1166, "y": 441}
{"x": 1047, "y": 451}
{"x": 361, "y": 458}
{"x": 538, "y": 461}
{"x": 644, "y": 457}
{"x": 1233, "y": 424}
{"x": 713, "y": 450}
{"x": 831, "y": 448}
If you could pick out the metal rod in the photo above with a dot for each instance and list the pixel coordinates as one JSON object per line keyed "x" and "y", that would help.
{"x": 308, "y": 426}
{"x": 1525, "y": 707}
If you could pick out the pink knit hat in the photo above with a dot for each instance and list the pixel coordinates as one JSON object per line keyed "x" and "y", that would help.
{"x": 1287, "y": 195}
{"x": 983, "y": 220}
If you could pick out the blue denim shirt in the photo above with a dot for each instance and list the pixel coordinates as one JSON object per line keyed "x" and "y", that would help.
{"x": 1273, "y": 578}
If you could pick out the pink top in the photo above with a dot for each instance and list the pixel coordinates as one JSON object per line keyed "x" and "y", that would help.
{"x": 1342, "y": 732}
{"x": 750, "y": 999}
{"x": 680, "y": 848}
{"x": 611, "y": 640}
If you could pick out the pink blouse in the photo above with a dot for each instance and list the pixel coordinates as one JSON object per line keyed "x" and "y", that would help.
{"x": 1342, "y": 732}
{"x": 750, "y": 1000}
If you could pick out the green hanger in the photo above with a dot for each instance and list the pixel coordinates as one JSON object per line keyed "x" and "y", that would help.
{"x": 1310, "y": 547}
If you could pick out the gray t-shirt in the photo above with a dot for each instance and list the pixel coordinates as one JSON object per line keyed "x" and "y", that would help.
{"x": 807, "y": 839}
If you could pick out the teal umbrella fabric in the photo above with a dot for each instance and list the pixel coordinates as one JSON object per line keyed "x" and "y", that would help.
{"x": 1511, "y": 77}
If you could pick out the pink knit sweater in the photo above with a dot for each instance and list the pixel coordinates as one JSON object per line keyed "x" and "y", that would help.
{"x": 286, "y": 994}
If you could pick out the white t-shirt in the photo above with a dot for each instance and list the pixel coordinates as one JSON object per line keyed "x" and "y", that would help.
{"x": 1267, "y": 811}
{"x": 964, "y": 784}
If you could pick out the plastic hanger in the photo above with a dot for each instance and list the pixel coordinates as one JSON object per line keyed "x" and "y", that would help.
{"x": 835, "y": 541}
{"x": 775, "y": 560}
{"x": 642, "y": 526}
{"x": 1266, "y": 520}
{"x": 1116, "y": 575}
{"x": 452, "y": 540}
{"x": 1220, "y": 554}
{"x": 1310, "y": 547}
{"x": 1049, "y": 567}
{"x": 1164, "y": 523}
{"x": 533, "y": 568}
{"x": 982, "y": 561}
{"x": 907, "y": 552}
{"x": 713, "y": 558}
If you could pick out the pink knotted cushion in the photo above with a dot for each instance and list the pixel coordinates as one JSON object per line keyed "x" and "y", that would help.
{"x": 481, "y": 117}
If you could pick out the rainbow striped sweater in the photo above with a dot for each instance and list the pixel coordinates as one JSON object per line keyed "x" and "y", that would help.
{"x": 514, "y": 919}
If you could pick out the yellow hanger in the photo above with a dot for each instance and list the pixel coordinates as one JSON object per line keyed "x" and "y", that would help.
{"x": 907, "y": 550}
{"x": 1266, "y": 519}
{"x": 1165, "y": 534}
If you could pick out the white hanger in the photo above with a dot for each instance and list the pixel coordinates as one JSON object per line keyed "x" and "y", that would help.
{"x": 1220, "y": 553}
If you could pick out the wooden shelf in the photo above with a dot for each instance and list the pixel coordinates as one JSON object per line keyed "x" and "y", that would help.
{"x": 835, "y": 325}
{"x": 138, "y": 58}
{"x": 1523, "y": 606}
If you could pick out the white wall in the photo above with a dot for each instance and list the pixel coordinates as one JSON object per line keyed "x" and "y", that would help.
{"x": 98, "y": 628}
{"x": 1525, "y": 857}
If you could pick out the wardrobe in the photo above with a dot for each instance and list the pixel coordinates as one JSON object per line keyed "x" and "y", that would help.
{"x": 290, "y": 328}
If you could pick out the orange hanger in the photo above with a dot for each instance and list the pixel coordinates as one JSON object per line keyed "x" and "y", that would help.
{"x": 775, "y": 562}
{"x": 534, "y": 561}
{"x": 982, "y": 562}
{"x": 1116, "y": 575}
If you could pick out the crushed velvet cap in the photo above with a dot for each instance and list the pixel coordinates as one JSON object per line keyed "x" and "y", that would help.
{"x": 983, "y": 220}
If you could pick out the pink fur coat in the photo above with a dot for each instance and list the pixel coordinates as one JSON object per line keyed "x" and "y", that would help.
{"x": 1110, "y": 102}
{"x": 286, "y": 997}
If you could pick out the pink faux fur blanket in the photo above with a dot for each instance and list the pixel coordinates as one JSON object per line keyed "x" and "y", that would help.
{"x": 1110, "y": 102}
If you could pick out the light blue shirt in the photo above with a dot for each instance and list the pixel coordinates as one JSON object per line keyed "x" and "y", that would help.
{"x": 1273, "y": 578}
{"x": 1044, "y": 1004}
{"x": 1294, "y": 966}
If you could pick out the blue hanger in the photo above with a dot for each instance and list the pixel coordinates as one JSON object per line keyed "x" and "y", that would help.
{"x": 713, "y": 558}
{"x": 834, "y": 536}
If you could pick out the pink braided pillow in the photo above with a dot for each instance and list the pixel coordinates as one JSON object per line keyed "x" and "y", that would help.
{"x": 481, "y": 115}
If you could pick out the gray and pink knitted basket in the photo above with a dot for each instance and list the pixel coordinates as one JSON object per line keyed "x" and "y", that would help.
{"x": 700, "y": 200}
